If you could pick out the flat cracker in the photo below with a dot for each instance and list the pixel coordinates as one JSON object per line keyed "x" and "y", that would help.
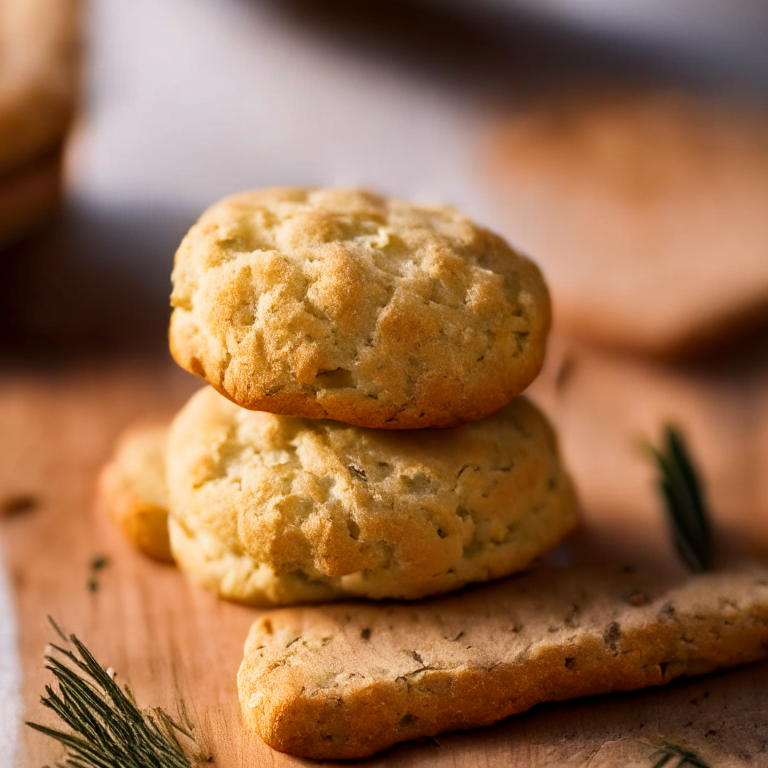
{"x": 348, "y": 680}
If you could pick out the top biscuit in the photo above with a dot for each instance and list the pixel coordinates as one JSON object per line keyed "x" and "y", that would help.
{"x": 345, "y": 305}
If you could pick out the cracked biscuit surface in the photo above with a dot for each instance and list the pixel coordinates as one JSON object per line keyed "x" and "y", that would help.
{"x": 346, "y": 681}
{"x": 345, "y": 305}
{"x": 274, "y": 509}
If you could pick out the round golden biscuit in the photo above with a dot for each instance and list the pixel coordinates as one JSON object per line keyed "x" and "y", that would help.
{"x": 269, "y": 509}
{"x": 39, "y": 77}
{"x": 133, "y": 489}
{"x": 345, "y": 305}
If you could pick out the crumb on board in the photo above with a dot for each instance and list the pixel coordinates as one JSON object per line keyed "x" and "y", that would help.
{"x": 565, "y": 372}
{"x": 98, "y": 563}
{"x": 17, "y": 503}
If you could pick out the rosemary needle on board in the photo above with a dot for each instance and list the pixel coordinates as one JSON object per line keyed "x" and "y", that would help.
{"x": 680, "y": 487}
{"x": 670, "y": 750}
{"x": 107, "y": 728}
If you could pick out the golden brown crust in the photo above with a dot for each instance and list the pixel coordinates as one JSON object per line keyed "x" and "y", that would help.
{"x": 274, "y": 509}
{"x": 39, "y": 76}
{"x": 646, "y": 211}
{"x": 133, "y": 489}
{"x": 345, "y": 305}
{"x": 346, "y": 681}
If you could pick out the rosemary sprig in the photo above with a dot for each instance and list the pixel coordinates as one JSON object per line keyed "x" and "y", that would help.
{"x": 107, "y": 727}
{"x": 680, "y": 487}
{"x": 671, "y": 750}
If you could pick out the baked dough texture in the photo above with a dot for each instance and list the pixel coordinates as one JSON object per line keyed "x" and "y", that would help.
{"x": 346, "y": 681}
{"x": 39, "y": 77}
{"x": 272, "y": 509}
{"x": 646, "y": 211}
{"x": 134, "y": 491}
{"x": 345, "y": 305}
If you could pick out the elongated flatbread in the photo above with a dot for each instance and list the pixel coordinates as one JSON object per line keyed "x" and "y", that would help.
{"x": 349, "y": 680}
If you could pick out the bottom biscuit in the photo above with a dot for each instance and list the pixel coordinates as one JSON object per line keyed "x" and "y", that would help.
{"x": 348, "y": 680}
{"x": 268, "y": 509}
{"x": 132, "y": 487}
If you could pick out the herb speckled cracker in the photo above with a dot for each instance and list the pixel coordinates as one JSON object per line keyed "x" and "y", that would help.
{"x": 349, "y": 680}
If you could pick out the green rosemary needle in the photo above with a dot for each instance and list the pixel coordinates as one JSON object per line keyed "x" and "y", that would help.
{"x": 681, "y": 490}
{"x": 107, "y": 728}
{"x": 671, "y": 750}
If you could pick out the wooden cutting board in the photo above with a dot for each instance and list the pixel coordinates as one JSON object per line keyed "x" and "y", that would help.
{"x": 169, "y": 639}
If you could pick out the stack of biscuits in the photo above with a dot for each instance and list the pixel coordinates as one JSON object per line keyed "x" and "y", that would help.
{"x": 39, "y": 85}
{"x": 362, "y": 433}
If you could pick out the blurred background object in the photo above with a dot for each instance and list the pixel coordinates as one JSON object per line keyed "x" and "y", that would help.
{"x": 39, "y": 87}
{"x": 188, "y": 100}
{"x": 647, "y": 211}
{"x": 723, "y": 40}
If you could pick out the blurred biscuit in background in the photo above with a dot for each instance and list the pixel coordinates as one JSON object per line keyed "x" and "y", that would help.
{"x": 39, "y": 89}
{"x": 646, "y": 211}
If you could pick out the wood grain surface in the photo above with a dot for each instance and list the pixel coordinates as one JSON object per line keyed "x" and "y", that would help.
{"x": 169, "y": 639}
